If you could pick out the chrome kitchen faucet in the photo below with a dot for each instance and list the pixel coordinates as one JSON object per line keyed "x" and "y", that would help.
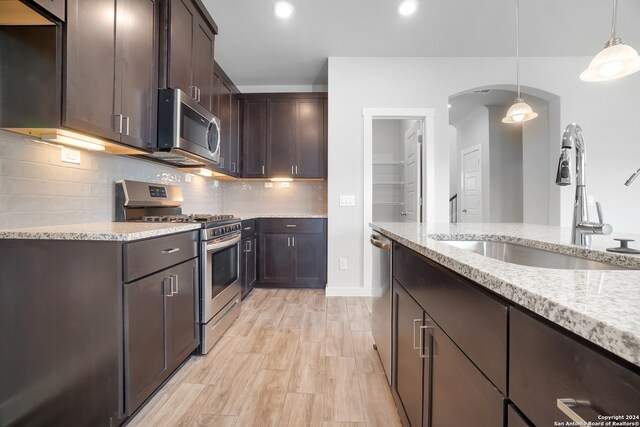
{"x": 582, "y": 228}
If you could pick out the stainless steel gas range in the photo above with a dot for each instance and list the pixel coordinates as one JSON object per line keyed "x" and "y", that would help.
{"x": 219, "y": 281}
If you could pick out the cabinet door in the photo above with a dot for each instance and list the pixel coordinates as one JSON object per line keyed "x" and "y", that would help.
{"x": 410, "y": 366}
{"x": 244, "y": 261}
{"x": 55, "y": 7}
{"x": 182, "y": 332}
{"x": 461, "y": 394}
{"x": 254, "y": 145}
{"x": 203, "y": 63}
{"x": 234, "y": 137}
{"x": 276, "y": 258}
{"x": 224, "y": 114}
{"x": 90, "y": 69}
{"x": 145, "y": 336}
{"x": 137, "y": 63}
{"x": 309, "y": 148}
{"x": 310, "y": 259}
{"x": 183, "y": 21}
{"x": 280, "y": 137}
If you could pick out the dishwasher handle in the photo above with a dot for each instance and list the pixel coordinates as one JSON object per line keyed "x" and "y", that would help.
{"x": 379, "y": 244}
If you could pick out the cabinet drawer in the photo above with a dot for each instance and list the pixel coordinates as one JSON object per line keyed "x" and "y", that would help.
{"x": 546, "y": 365}
{"x": 476, "y": 321}
{"x": 291, "y": 225}
{"x": 248, "y": 227}
{"x": 148, "y": 256}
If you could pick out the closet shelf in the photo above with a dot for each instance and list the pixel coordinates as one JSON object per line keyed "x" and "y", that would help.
{"x": 388, "y": 203}
{"x": 387, "y": 163}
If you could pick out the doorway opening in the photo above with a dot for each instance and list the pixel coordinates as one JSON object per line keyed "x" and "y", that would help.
{"x": 503, "y": 173}
{"x": 398, "y": 171}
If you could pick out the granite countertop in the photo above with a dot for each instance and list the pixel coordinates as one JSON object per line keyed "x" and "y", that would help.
{"x": 104, "y": 231}
{"x": 602, "y": 306}
{"x": 263, "y": 215}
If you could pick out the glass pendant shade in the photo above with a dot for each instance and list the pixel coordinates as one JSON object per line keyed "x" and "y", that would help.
{"x": 614, "y": 61}
{"x": 519, "y": 112}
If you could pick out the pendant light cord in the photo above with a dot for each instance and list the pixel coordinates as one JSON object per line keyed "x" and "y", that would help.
{"x": 613, "y": 20}
{"x": 518, "y": 45}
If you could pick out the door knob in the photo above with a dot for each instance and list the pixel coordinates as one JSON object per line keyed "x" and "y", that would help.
{"x": 464, "y": 210}
{"x": 403, "y": 213}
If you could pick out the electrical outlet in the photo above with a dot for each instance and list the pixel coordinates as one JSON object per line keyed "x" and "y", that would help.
{"x": 216, "y": 183}
{"x": 347, "y": 200}
{"x": 343, "y": 264}
{"x": 187, "y": 177}
{"x": 268, "y": 185}
{"x": 70, "y": 156}
{"x": 285, "y": 184}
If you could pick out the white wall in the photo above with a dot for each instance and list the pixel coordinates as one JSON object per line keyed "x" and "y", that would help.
{"x": 505, "y": 145}
{"x": 607, "y": 113}
{"x": 473, "y": 129}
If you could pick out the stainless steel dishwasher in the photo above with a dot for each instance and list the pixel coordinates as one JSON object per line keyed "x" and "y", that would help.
{"x": 381, "y": 307}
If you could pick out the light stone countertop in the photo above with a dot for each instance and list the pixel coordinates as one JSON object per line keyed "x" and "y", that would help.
{"x": 262, "y": 215}
{"x": 103, "y": 231}
{"x": 602, "y": 306}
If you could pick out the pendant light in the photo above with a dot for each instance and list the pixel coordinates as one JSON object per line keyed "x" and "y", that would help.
{"x": 520, "y": 111}
{"x": 615, "y": 60}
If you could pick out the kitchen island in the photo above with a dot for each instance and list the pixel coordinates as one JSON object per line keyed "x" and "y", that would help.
{"x": 498, "y": 338}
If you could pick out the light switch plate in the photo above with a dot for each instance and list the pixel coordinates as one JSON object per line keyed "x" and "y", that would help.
{"x": 347, "y": 200}
{"x": 70, "y": 156}
{"x": 343, "y": 263}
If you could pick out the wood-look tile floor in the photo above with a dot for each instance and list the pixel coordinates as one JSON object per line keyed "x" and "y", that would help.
{"x": 293, "y": 358}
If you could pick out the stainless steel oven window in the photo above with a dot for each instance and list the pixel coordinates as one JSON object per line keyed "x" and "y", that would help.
{"x": 222, "y": 267}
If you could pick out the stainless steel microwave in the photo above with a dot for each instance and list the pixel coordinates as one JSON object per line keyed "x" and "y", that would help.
{"x": 188, "y": 134}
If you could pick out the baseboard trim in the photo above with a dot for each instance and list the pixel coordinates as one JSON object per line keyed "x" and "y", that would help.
{"x": 348, "y": 292}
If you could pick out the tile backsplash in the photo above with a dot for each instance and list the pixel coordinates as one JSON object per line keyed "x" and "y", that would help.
{"x": 301, "y": 197}
{"x": 38, "y": 189}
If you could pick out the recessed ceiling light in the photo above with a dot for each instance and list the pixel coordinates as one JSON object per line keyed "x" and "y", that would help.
{"x": 283, "y": 9}
{"x": 407, "y": 7}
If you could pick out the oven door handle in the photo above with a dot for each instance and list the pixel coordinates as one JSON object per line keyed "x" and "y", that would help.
{"x": 213, "y": 246}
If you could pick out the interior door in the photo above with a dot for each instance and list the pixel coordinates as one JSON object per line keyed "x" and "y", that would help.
{"x": 412, "y": 192}
{"x": 471, "y": 202}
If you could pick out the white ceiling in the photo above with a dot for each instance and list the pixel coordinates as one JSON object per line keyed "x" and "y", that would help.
{"x": 255, "y": 48}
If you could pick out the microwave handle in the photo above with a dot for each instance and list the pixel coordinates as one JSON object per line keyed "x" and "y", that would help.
{"x": 217, "y": 129}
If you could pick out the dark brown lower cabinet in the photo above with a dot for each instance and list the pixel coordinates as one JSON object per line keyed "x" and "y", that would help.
{"x": 515, "y": 419}
{"x": 248, "y": 264}
{"x": 292, "y": 252}
{"x": 549, "y": 368}
{"x": 160, "y": 329}
{"x": 412, "y": 368}
{"x": 461, "y": 394}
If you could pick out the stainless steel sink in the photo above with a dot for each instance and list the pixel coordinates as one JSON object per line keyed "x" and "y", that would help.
{"x": 532, "y": 257}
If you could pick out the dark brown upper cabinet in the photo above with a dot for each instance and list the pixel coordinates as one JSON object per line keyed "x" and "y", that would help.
{"x": 284, "y": 135}
{"x": 188, "y": 45}
{"x": 110, "y": 78}
{"x": 226, "y": 108}
{"x": 253, "y": 137}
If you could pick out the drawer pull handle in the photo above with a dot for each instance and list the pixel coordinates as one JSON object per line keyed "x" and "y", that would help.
{"x": 171, "y": 251}
{"x": 174, "y": 281}
{"x": 415, "y": 322}
{"x": 424, "y": 349}
{"x": 167, "y": 293}
{"x": 566, "y": 405}
{"x": 291, "y": 225}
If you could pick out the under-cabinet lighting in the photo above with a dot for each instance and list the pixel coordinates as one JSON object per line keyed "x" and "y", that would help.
{"x": 283, "y": 9}
{"x": 75, "y": 140}
{"x": 205, "y": 172}
{"x": 281, "y": 179}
